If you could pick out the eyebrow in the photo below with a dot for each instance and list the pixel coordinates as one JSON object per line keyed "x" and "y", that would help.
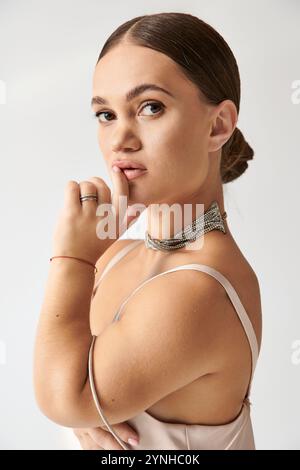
{"x": 131, "y": 94}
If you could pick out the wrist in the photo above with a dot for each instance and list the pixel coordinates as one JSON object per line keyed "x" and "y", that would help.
{"x": 74, "y": 262}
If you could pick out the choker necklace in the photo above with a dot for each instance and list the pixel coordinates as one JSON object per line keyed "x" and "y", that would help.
{"x": 212, "y": 220}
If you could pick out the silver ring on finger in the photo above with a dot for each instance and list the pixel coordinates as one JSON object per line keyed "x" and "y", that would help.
{"x": 87, "y": 197}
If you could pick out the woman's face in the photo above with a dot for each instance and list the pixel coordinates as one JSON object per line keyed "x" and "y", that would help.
{"x": 167, "y": 133}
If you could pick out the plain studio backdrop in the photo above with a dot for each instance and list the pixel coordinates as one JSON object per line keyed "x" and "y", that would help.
{"x": 48, "y": 50}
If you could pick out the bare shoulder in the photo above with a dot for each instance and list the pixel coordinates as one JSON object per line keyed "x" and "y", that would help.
{"x": 179, "y": 315}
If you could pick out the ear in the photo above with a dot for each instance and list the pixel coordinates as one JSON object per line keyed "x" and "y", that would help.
{"x": 223, "y": 122}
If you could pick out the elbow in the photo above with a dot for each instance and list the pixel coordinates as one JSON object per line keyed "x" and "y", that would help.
{"x": 57, "y": 398}
{"x": 59, "y": 411}
{"x": 56, "y": 406}
{"x": 73, "y": 410}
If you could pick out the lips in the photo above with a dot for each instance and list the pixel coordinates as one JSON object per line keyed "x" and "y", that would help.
{"x": 133, "y": 173}
{"x": 128, "y": 165}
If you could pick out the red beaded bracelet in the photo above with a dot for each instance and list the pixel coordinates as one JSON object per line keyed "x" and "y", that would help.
{"x": 79, "y": 259}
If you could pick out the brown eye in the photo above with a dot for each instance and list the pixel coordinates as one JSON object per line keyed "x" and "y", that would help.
{"x": 154, "y": 105}
{"x": 98, "y": 114}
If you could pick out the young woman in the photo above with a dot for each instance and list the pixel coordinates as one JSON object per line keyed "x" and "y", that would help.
{"x": 163, "y": 343}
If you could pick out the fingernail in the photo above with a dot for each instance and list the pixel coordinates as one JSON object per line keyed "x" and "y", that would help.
{"x": 116, "y": 169}
{"x": 132, "y": 442}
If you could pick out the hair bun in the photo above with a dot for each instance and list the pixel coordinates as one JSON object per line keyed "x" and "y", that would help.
{"x": 235, "y": 154}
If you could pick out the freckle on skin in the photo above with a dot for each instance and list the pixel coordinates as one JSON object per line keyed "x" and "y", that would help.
{"x": 57, "y": 315}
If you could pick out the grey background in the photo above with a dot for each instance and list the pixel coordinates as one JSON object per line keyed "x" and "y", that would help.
{"x": 48, "y": 50}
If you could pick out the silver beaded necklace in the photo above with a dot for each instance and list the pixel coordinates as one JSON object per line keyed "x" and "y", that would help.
{"x": 212, "y": 220}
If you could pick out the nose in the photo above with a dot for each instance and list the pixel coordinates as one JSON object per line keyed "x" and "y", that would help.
{"x": 125, "y": 139}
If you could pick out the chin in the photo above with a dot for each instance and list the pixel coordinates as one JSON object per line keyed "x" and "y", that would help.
{"x": 138, "y": 197}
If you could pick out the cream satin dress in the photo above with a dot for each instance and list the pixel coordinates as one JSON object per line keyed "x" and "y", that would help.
{"x": 158, "y": 435}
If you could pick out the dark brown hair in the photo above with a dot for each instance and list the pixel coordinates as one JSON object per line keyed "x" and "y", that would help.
{"x": 204, "y": 57}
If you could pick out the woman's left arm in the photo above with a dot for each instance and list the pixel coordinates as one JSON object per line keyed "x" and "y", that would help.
{"x": 63, "y": 334}
{"x": 161, "y": 343}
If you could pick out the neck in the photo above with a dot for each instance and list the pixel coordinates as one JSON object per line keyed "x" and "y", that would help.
{"x": 165, "y": 220}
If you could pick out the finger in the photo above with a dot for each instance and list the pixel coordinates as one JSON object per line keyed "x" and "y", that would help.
{"x": 125, "y": 431}
{"x": 112, "y": 198}
{"x": 81, "y": 441}
{"x": 89, "y": 444}
{"x": 89, "y": 206}
{"x": 77, "y": 431}
{"x": 120, "y": 187}
{"x": 105, "y": 439}
{"x": 122, "y": 429}
{"x": 103, "y": 191}
{"x": 71, "y": 196}
{"x": 80, "y": 433}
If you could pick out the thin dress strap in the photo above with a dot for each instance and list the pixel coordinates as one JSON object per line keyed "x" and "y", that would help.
{"x": 117, "y": 257}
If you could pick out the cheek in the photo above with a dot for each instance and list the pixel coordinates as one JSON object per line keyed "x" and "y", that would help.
{"x": 165, "y": 145}
{"x": 185, "y": 150}
{"x": 179, "y": 136}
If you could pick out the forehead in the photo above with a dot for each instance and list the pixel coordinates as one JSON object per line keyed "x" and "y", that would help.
{"x": 125, "y": 66}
